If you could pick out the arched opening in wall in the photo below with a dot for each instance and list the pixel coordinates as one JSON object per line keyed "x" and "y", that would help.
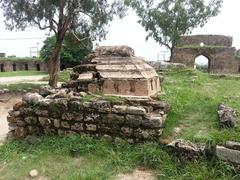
{"x": 38, "y": 67}
{"x": 202, "y": 63}
{"x": 2, "y": 67}
{"x": 26, "y": 67}
{"x": 14, "y": 67}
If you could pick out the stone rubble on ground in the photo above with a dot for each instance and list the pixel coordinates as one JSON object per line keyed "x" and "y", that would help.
{"x": 186, "y": 148}
{"x": 230, "y": 152}
{"x": 227, "y": 116}
{"x": 33, "y": 173}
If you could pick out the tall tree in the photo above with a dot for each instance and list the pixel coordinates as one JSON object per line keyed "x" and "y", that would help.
{"x": 73, "y": 51}
{"x": 167, "y": 20}
{"x": 60, "y": 16}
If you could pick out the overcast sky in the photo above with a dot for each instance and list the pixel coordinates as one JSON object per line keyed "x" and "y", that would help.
{"x": 128, "y": 32}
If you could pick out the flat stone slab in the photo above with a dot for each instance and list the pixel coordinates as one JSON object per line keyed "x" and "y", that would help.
{"x": 233, "y": 145}
{"x": 229, "y": 155}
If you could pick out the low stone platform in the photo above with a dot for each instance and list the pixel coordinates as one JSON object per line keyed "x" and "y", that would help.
{"x": 63, "y": 112}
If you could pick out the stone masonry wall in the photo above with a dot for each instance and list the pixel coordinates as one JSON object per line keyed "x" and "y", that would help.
{"x": 221, "y": 60}
{"x": 135, "y": 121}
{"x": 208, "y": 40}
{"x": 7, "y": 66}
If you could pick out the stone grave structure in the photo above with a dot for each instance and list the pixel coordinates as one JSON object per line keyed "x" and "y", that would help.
{"x": 222, "y": 57}
{"x": 115, "y": 71}
{"x": 83, "y": 105}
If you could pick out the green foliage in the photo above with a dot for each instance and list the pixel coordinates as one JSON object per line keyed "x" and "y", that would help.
{"x": 73, "y": 51}
{"x": 167, "y": 20}
{"x": 87, "y": 158}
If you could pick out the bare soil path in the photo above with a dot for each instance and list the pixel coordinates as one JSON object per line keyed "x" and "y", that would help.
{"x": 6, "y": 103}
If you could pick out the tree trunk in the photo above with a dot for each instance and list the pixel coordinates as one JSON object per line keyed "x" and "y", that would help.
{"x": 54, "y": 62}
{"x": 171, "y": 55}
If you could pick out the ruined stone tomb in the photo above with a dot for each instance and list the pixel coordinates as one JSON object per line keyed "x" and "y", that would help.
{"x": 114, "y": 70}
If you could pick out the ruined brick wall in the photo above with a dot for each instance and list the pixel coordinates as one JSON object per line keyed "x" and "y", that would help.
{"x": 8, "y": 66}
{"x": 208, "y": 40}
{"x": 217, "y": 49}
{"x": 221, "y": 60}
{"x": 135, "y": 122}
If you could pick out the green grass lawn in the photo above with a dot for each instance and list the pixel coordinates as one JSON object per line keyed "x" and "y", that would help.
{"x": 193, "y": 108}
{"x": 22, "y": 73}
{"x": 20, "y": 87}
{"x": 85, "y": 158}
{"x": 195, "y": 103}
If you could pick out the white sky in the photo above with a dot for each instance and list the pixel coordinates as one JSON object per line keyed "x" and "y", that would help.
{"x": 128, "y": 32}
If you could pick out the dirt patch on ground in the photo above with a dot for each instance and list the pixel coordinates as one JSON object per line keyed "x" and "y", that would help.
{"x": 138, "y": 174}
{"x": 6, "y": 103}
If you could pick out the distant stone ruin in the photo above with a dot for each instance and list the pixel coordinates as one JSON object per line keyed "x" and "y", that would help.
{"x": 114, "y": 70}
{"x": 22, "y": 65}
{"x": 222, "y": 57}
{"x": 83, "y": 106}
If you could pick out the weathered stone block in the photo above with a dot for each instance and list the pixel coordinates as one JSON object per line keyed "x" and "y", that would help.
{"x": 33, "y": 130}
{"x": 87, "y": 105}
{"x": 57, "y": 107}
{"x": 56, "y": 123}
{"x": 75, "y": 106}
{"x": 105, "y": 128}
{"x": 48, "y": 131}
{"x": 32, "y": 98}
{"x": 15, "y": 113}
{"x": 12, "y": 126}
{"x": 18, "y": 105}
{"x": 68, "y": 116}
{"x": 147, "y": 134}
{"x": 42, "y": 113}
{"x": 226, "y": 154}
{"x": 135, "y": 110}
{"x": 91, "y": 118}
{"x": 153, "y": 122}
{"x": 113, "y": 118}
{"x": 31, "y": 120}
{"x": 45, "y": 122}
{"x": 91, "y": 127}
{"x": 119, "y": 109}
{"x": 77, "y": 127}
{"x": 159, "y": 105}
{"x": 233, "y": 145}
{"x": 20, "y": 132}
{"x": 127, "y": 131}
{"x": 102, "y": 106}
{"x": 133, "y": 120}
{"x": 21, "y": 123}
{"x": 46, "y": 90}
{"x": 65, "y": 124}
{"x": 11, "y": 119}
